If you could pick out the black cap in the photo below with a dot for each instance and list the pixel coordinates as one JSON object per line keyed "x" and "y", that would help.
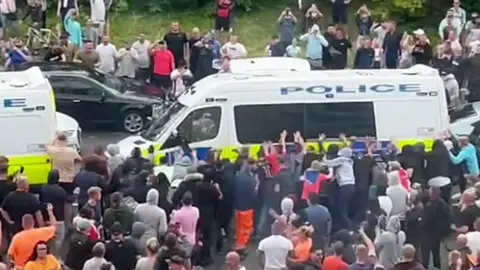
{"x": 116, "y": 229}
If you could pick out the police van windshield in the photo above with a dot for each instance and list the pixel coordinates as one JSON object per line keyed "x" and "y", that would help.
{"x": 160, "y": 124}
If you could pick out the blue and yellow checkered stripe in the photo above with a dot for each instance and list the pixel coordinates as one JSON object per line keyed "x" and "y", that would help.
{"x": 231, "y": 153}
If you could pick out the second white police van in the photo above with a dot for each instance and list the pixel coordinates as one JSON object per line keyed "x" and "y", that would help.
{"x": 225, "y": 111}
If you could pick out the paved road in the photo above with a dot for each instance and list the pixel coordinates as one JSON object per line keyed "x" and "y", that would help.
{"x": 90, "y": 139}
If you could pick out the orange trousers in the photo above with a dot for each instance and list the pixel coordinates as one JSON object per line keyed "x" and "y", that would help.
{"x": 243, "y": 228}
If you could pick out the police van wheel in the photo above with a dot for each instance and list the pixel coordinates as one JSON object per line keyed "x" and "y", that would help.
{"x": 133, "y": 121}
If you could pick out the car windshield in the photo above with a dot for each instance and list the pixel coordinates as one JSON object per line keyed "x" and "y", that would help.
{"x": 160, "y": 124}
{"x": 467, "y": 111}
{"x": 108, "y": 80}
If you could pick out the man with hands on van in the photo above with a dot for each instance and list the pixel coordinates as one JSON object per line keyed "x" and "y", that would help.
{"x": 316, "y": 42}
{"x": 64, "y": 160}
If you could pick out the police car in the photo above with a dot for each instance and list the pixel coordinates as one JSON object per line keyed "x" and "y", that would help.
{"x": 466, "y": 121}
{"x": 228, "y": 110}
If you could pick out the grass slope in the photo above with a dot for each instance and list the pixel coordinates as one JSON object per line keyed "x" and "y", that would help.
{"x": 255, "y": 29}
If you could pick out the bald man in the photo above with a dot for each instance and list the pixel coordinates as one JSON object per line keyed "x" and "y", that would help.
{"x": 470, "y": 211}
{"x": 19, "y": 203}
{"x": 274, "y": 250}
{"x": 408, "y": 261}
{"x": 24, "y": 242}
{"x": 464, "y": 250}
{"x": 233, "y": 261}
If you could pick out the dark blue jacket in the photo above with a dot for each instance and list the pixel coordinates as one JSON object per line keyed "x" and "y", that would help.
{"x": 244, "y": 192}
{"x": 54, "y": 194}
{"x": 364, "y": 58}
{"x": 85, "y": 180}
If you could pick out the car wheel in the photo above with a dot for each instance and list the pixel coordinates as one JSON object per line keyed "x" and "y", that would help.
{"x": 133, "y": 121}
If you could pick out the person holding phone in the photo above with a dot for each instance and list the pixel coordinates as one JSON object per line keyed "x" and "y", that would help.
{"x": 287, "y": 22}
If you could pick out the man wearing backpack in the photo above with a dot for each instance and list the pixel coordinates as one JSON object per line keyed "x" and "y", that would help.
{"x": 118, "y": 212}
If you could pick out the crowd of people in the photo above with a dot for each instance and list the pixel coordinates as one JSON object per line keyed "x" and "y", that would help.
{"x": 333, "y": 209}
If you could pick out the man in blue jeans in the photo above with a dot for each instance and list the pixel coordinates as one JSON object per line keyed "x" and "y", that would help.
{"x": 343, "y": 165}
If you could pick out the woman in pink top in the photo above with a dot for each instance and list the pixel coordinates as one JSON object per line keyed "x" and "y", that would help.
{"x": 186, "y": 218}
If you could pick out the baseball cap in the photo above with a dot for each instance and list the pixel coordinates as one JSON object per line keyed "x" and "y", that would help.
{"x": 419, "y": 32}
{"x": 116, "y": 229}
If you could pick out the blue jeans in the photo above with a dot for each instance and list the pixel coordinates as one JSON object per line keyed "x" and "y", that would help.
{"x": 263, "y": 219}
{"x": 60, "y": 232}
{"x": 344, "y": 198}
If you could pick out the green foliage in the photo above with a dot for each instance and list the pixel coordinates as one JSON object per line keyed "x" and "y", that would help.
{"x": 158, "y": 6}
{"x": 418, "y": 13}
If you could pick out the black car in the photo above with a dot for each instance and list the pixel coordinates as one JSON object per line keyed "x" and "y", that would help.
{"x": 90, "y": 100}
{"x": 121, "y": 84}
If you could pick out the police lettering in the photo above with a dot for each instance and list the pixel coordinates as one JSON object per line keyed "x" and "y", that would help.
{"x": 362, "y": 88}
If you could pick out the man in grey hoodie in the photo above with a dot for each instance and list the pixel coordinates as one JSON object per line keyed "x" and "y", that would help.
{"x": 154, "y": 217}
{"x": 115, "y": 158}
{"x": 398, "y": 194}
{"x": 137, "y": 237}
{"x": 343, "y": 167}
{"x": 389, "y": 243}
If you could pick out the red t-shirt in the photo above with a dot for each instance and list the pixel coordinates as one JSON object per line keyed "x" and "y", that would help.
{"x": 273, "y": 160}
{"x": 93, "y": 234}
{"x": 334, "y": 263}
{"x": 404, "y": 180}
{"x": 162, "y": 62}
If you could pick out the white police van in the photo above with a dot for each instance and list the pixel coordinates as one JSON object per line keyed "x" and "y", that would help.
{"x": 225, "y": 111}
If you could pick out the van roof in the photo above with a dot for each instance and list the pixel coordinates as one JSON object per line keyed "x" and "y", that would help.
{"x": 26, "y": 79}
{"x": 269, "y": 63}
{"x": 220, "y": 84}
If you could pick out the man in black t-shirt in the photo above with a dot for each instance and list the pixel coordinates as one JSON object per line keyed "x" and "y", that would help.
{"x": 177, "y": 43}
{"x": 19, "y": 203}
{"x": 121, "y": 251}
{"x": 468, "y": 212}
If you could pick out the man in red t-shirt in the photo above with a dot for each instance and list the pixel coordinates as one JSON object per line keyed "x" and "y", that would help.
{"x": 163, "y": 65}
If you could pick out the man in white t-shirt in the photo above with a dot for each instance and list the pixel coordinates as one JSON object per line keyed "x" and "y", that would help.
{"x": 108, "y": 53}
{"x": 179, "y": 76}
{"x": 234, "y": 49}
{"x": 473, "y": 238}
{"x": 274, "y": 250}
{"x": 97, "y": 15}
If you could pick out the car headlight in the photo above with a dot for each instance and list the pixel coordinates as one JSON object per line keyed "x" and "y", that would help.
{"x": 69, "y": 133}
{"x": 156, "y": 109}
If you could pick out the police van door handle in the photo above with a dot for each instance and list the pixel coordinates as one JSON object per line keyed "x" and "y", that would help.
{"x": 76, "y": 101}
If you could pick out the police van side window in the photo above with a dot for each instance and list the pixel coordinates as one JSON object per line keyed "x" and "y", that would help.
{"x": 257, "y": 123}
{"x": 350, "y": 118}
{"x": 200, "y": 125}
